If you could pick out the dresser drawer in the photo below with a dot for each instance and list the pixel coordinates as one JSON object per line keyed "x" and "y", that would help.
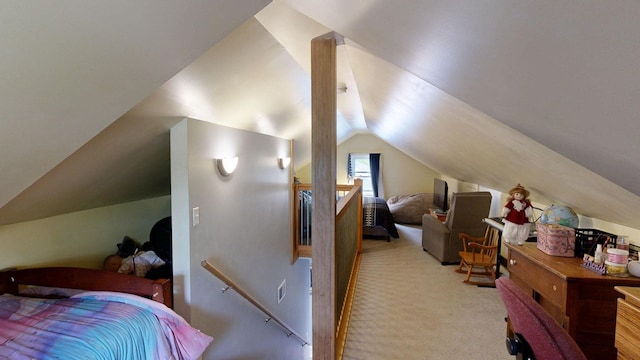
{"x": 627, "y": 330}
{"x": 548, "y": 285}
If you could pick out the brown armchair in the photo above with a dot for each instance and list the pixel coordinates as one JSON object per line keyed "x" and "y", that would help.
{"x": 465, "y": 215}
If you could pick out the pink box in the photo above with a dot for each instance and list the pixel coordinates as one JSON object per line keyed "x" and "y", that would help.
{"x": 556, "y": 240}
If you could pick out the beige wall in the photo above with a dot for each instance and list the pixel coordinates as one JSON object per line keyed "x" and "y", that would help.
{"x": 82, "y": 238}
{"x": 245, "y": 231}
{"x": 401, "y": 173}
{"x": 304, "y": 174}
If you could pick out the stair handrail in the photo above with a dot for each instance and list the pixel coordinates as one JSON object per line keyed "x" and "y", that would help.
{"x": 270, "y": 316}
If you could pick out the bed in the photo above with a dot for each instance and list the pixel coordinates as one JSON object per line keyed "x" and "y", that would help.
{"x": 75, "y": 313}
{"x": 377, "y": 220}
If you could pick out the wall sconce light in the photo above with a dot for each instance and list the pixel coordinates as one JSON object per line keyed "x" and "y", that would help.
{"x": 227, "y": 166}
{"x": 283, "y": 163}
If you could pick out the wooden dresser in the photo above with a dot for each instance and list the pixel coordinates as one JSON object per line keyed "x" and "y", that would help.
{"x": 582, "y": 301}
{"x": 628, "y": 323}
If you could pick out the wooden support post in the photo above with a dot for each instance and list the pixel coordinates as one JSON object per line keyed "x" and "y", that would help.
{"x": 323, "y": 156}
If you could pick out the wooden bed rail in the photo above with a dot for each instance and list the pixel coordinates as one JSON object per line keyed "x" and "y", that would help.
{"x": 86, "y": 279}
{"x": 270, "y": 317}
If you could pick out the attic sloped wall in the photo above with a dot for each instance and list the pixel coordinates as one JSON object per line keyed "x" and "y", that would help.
{"x": 244, "y": 230}
{"x": 82, "y": 238}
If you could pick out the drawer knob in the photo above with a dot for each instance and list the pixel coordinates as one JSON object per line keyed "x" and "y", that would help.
{"x": 554, "y": 288}
{"x": 512, "y": 261}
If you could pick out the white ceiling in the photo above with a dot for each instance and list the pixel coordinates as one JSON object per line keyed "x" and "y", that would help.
{"x": 495, "y": 93}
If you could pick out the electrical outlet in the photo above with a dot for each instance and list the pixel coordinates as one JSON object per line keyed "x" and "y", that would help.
{"x": 282, "y": 290}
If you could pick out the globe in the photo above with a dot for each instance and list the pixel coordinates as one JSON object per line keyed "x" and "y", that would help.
{"x": 561, "y": 215}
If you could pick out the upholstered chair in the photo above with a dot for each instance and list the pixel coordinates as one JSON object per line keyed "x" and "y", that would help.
{"x": 467, "y": 209}
{"x": 534, "y": 334}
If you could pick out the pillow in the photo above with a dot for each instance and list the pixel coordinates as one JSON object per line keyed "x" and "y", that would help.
{"x": 408, "y": 209}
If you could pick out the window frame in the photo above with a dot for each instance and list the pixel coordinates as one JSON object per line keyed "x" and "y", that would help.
{"x": 352, "y": 173}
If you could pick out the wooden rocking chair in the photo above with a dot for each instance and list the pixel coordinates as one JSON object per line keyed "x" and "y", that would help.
{"x": 479, "y": 253}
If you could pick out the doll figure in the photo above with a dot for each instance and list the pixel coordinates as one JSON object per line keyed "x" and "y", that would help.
{"x": 517, "y": 216}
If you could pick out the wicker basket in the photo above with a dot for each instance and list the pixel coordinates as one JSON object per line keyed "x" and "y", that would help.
{"x": 587, "y": 239}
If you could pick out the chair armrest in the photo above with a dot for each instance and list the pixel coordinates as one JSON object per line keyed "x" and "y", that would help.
{"x": 434, "y": 227}
{"x": 431, "y": 222}
{"x": 471, "y": 241}
{"x": 473, "y": 245}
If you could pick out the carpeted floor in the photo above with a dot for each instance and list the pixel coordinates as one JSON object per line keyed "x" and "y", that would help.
{"x": 408, "y": 306}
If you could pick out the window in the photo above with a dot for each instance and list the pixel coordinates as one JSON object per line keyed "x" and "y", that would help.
{"x": 358, "y": 167}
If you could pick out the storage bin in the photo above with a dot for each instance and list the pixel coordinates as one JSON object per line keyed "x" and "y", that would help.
{"x": 586, "y": 240}
{"x": 556, "y": 240}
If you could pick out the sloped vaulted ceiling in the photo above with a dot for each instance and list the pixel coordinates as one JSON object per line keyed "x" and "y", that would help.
{"x": 489, "y": 92}
{"x": 71, "y": 68}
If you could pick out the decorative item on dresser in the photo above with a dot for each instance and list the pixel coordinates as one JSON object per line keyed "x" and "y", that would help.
{"x": 497, "y": 226}
{"x": 582, "y": 301}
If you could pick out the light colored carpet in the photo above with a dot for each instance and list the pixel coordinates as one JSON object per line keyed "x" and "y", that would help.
{"x": 408, "y": 306}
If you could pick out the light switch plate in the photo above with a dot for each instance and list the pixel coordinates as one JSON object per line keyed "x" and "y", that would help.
{"x": 195, "y": 216}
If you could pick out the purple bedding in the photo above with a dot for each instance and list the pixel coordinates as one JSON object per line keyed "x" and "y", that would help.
{"x": 95, "y": 325}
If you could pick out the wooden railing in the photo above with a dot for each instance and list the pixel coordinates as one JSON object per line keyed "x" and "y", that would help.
{"x": 302, "y": 210}
{"x": 270, "y": 316}
{"x": 348, "y": 245}
{"x": 302, "y": 221}
{"x": 348, "y": 249}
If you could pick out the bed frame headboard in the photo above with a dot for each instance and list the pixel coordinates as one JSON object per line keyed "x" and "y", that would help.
{"x": 86, "y": 279}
